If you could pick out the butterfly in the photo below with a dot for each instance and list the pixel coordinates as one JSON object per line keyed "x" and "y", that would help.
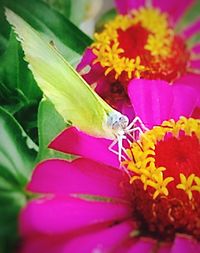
{"x": 72, "y": 97}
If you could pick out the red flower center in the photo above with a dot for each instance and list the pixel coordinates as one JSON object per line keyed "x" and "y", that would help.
{"x": 165, "y": 167}
{"x": 133, "y": 41}
{"x": 178, "y": 155}
{"x": 141, "y": 45}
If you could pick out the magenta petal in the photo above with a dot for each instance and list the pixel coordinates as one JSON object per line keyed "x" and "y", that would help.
{"x": 80, "y": 176}
{"x": 126, "y": 6}
{"x": 95, "y": 74}
{"x": 192, "y": 29}
{"x": 87, "y": 59}
{"x": 103, "y": 86}
{"x": 165, "y": 248}
{"x": 144, "y": 245}
{"x": 155, "y": 101}
{"x": 151, "y": 100}
{"x": 196, "y": 48}
{"x": 185, "y": 100}
{"x": 56, "y": 215}
{"x": 127, "y": 109}
{"x": 106, "y": 240}
{"x": 193, "y": 81}
{"x": 195, "y": 64}
{"x": 76, "y": 142}
{"x": 41, "y": 244}
{"x": 174, "y": 8}
{"x": 185, "y": 244}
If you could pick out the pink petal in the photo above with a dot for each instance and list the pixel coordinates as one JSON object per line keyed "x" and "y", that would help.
{"x": 41, "y": 244}
{"x": 196, "y": 48}
{"x": 193, "y": 81}
{"x": 127, "y": 109}
{"x": 94, "y": 75}
{"x": 80, "y": 176}
{"x": 87, "y": 59}
{"x": 185, "y": 244}
{"x": 103, "y": 86}
{"x": 196, "y": 113}
{"x": 155, "y": 101}
{"x": 56, "y": 215}
{"x": 192, "y": 29}
{"x": 185, "y": 101}
{"x": 195, "y": 64}
{"x": 151, "y": 100}
{"x": 126, "y": 6}
{"x": 106, "y": 240}
{"x": 76, "y": 142}
{"x": 144, "y": 245}
{"x": 165, "y": 248}
{"x": 174, "y": 8}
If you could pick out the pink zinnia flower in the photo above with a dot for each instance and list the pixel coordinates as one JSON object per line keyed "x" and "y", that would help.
{"x": 141, "y": 42}
{"x": 90, "y": 205}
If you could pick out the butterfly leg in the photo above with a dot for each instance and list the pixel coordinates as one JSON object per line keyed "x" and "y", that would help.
{"x": 133, "y": 130}
{"x": 118, "y": 141}
{"x": 137, "y": 119}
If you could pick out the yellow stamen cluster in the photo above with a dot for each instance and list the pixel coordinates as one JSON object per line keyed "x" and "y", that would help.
{"x": 142, "y": 158}
{"x": 110, "y": 55}
{"x": 190, "y": 184}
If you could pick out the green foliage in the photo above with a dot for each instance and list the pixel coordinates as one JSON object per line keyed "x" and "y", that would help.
{"x": 62, "y": 6}
{"x": 50, "y": 124}
{"x": 52, "y": 25}
{"x": 17, "y": 156}
{"x": 18, "y": 90}
{"x": 75, "y": 10}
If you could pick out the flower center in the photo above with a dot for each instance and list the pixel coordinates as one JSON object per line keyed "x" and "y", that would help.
{"x": 141, "y": 45}
{"x": 165, "y": 173}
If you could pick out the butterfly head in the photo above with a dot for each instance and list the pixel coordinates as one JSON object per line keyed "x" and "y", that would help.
{"x": 117, "y": 122}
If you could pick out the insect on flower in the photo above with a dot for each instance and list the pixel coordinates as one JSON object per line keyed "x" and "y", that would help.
{"x": 72, "y": 97}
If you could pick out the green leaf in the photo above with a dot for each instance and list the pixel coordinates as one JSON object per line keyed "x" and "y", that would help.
{"x": 17, "y": 83}
{"x": 53, "y": 26}
{"x": 17, "y": 156}
{"x": 19, "y": 93}
{"x": 4, "y": 31}
{"x": 50, "y": 124}
{"x": 11, "y": 203}
{"x": 62, "y": 6}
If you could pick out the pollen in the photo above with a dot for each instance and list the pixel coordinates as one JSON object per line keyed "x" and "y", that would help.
{"x": 164, "y": 169}
{"x": 140, "y": 45}
{"x": 144, "y": 153}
